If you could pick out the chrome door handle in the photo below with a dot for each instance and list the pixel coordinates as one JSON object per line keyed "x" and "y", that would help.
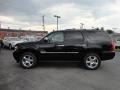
{"x": 60, "y": 45}
{"x": 81, "y": 45}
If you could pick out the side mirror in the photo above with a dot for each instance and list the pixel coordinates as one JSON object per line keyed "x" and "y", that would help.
{"x": 46, "y": 39}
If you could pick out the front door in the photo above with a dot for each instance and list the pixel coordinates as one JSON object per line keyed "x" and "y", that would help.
{"x": 53, "y": 46}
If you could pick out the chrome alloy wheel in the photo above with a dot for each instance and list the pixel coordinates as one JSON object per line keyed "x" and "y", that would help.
{"x": 92, "y": 61}
{"x": 27, "y": 61}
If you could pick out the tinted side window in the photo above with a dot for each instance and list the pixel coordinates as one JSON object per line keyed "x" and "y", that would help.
{"x": 97, "y": 36}
{"x": 73, "y": 36}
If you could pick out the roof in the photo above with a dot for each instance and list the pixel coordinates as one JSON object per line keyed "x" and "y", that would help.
{"x": 82, "y": 30}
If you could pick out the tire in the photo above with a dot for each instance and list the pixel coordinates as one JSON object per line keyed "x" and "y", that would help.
{"x": 92, "y": 61}
{"x": 3, "y": 46}
{"x": 10, "y": 46}
{"x": 28, "y": 60}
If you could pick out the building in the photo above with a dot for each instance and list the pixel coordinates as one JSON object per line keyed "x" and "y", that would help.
{"x": 17, "y": 33}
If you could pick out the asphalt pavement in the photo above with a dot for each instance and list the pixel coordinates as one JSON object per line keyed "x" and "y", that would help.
{"x": 58, "y": 75}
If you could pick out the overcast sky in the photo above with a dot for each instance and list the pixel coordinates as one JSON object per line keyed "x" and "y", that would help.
{"x": 27, "y": 14}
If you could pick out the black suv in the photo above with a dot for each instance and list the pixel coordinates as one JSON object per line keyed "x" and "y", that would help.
{"x": 89, "y": 47}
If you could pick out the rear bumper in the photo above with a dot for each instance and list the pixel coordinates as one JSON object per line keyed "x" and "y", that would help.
{"x": 107, "y": 55}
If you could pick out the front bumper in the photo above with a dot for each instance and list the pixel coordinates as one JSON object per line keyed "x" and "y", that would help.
{"x": 16, "y": 56}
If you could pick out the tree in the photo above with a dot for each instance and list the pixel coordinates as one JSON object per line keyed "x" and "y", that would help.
{"x": 97, "y": 28}
{"x": 110, "y": 31}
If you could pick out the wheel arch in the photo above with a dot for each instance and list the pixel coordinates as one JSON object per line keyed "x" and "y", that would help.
{"x": 27, "y": 50}
{"x": 93, "y": 50}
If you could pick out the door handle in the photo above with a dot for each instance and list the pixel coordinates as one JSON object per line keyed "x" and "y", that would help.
{"x": 81, "y": 45}
{"x": 60, "y": 45}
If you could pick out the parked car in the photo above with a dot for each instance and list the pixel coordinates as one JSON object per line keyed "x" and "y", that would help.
{"x": 38, "y": 38}
{"x": 117, "y": 44}
{"x": 10, "y": 42}
{"x": 29, "y": 38}
{"x": 89, "y": 47}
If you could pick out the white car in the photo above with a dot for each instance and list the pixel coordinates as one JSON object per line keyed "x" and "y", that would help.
{"x": 29, "y": 38}
{"x": 12, "y": 41}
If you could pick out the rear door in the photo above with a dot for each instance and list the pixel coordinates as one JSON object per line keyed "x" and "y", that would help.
{"x": 74, "y": 44}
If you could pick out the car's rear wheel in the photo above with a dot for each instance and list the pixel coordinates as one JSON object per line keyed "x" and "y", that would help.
{"x": 92, "y": 61}
{"x": 28, "y": 60}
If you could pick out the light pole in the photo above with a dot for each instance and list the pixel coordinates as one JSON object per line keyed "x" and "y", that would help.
{"x": 43, "y": 22}
{"x": 57, "y": 19}
{"x": 81, "y": 25}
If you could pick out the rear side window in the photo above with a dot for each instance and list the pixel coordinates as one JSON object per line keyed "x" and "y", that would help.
{"x": 73, "y": 36}
{"x": 97, "y": 36}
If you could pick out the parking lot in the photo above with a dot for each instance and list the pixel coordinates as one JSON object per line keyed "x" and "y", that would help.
{"x": 58, "y": 75}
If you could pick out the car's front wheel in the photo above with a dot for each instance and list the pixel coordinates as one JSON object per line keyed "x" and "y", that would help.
{"x": 10, "y": 46}
{"x": 28, "y": 60}
{"x": 92, "y": 61}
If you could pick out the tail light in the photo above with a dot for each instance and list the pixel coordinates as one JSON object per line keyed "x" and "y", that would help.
{"x": 112, "y": 46}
